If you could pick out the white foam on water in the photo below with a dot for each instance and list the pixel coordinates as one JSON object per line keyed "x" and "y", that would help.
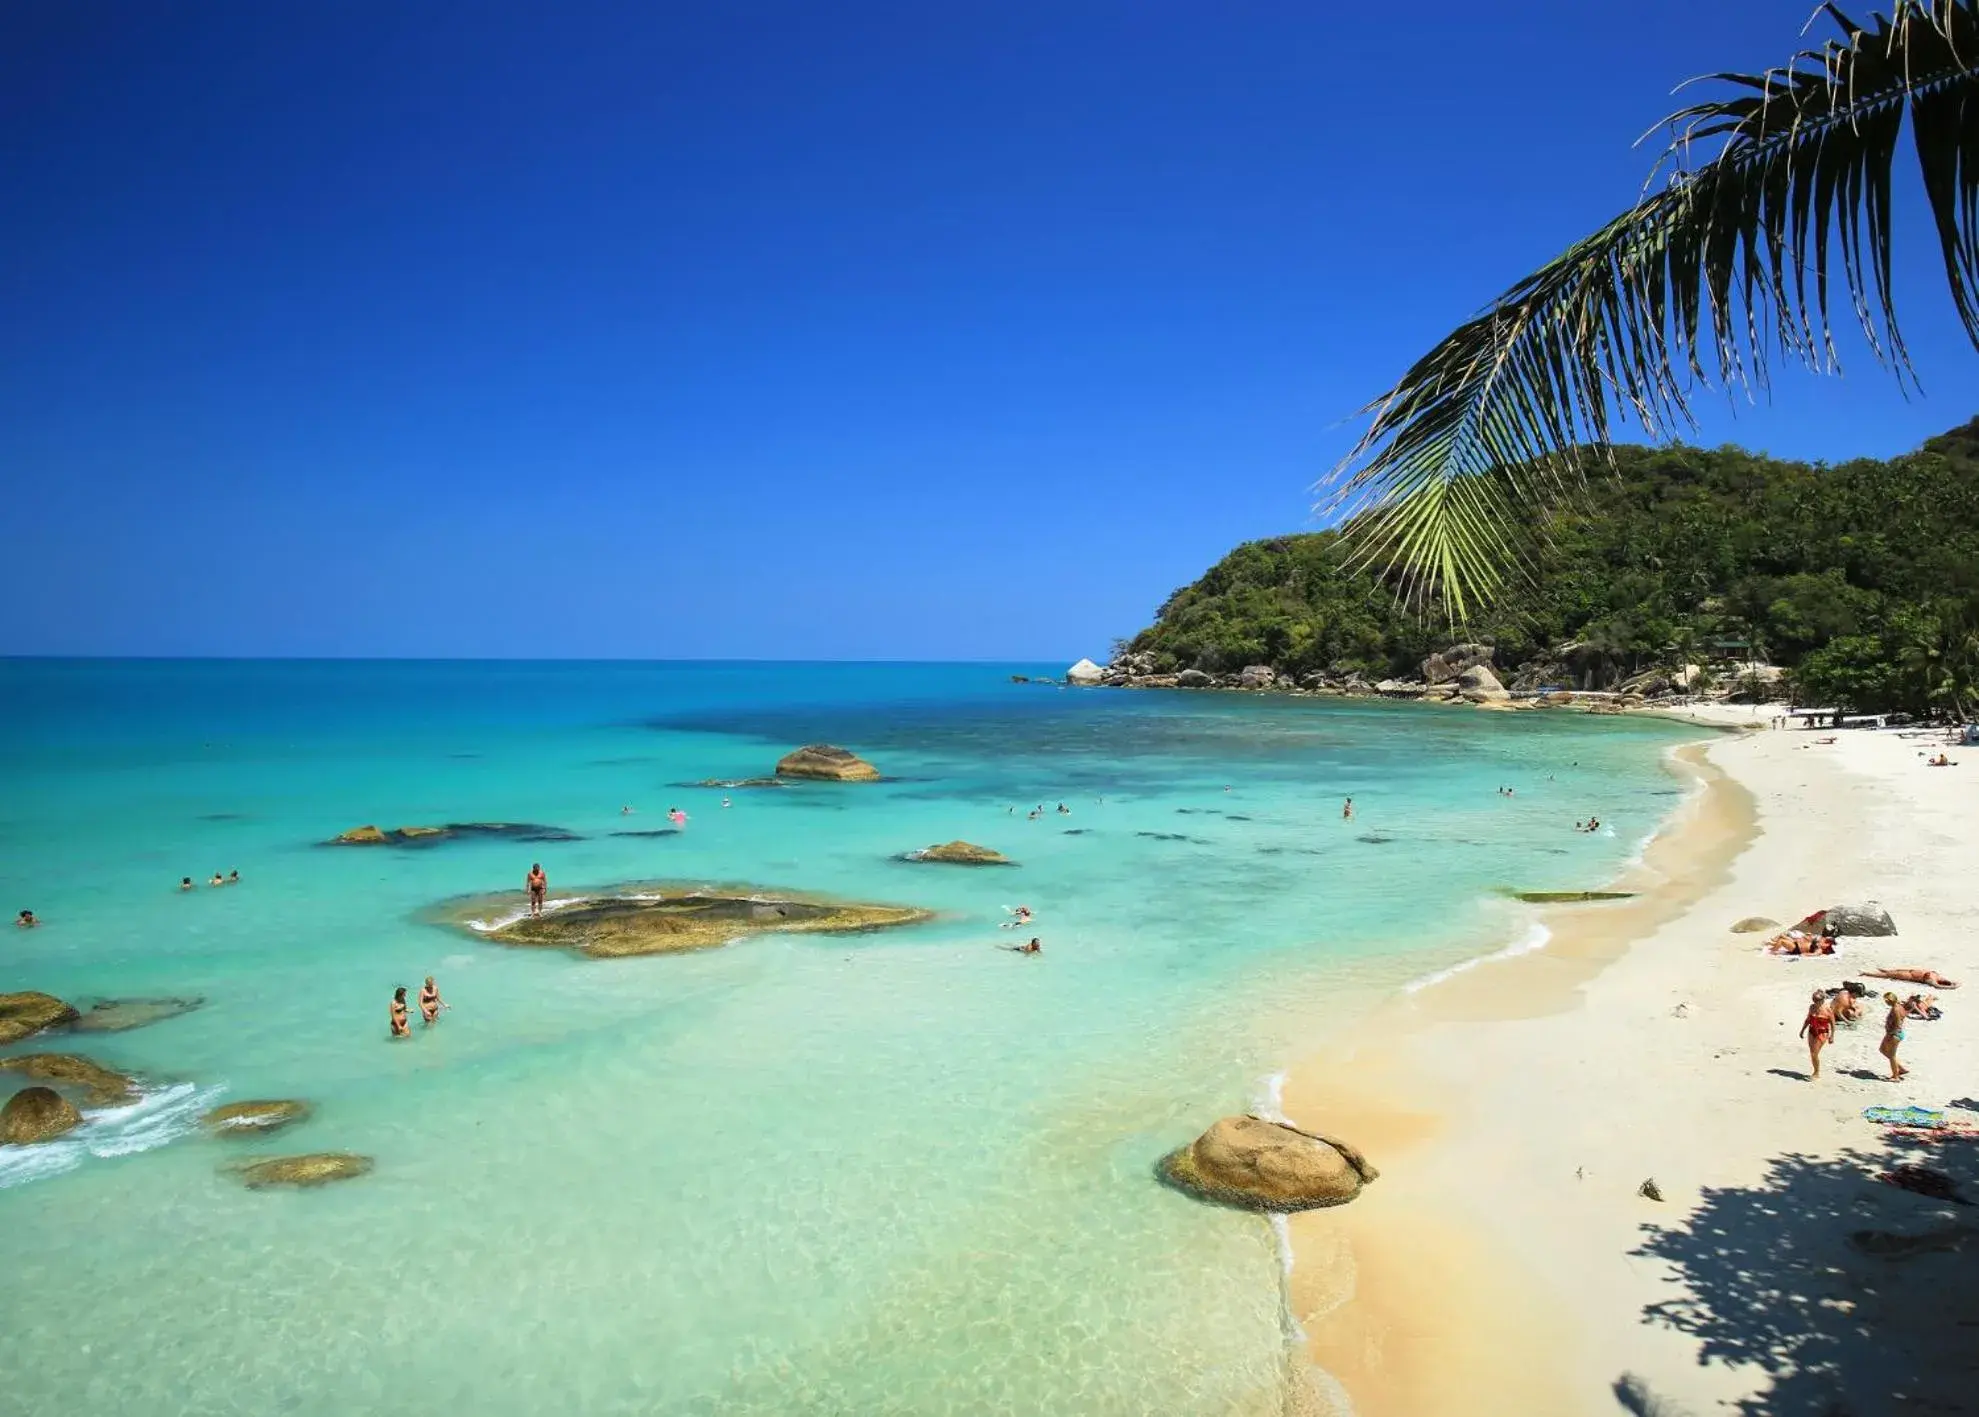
{"x": 1537, "y": 937}
{"x": 521, "y": 912}
{"x": 1270, "y": 1102}
{"x": 156, "y": 1119}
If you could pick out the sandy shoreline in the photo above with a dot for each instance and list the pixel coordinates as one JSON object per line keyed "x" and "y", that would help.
{"x": 1505, "y": 1260}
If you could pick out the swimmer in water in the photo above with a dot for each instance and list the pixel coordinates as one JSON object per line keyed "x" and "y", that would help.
{"x": 26, "y": 920}
{"x": 626, "y": 810}
{"x": 233, "y": 878}
{"x": 400, "y": 1027}
{"x": 218, "y": 880}
{"x": 430, "y": 1002}
{"x": 539, "y": 886}
{"x": 1347, "y": 812}
{"x": 185, "y": 883}
{"x": 676, "y": 816}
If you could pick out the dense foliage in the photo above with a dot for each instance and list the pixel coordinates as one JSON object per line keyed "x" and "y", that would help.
{"x": 1862, "y": 579}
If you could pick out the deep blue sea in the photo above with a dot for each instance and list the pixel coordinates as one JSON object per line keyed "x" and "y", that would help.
{"x": 899, "y": 1173}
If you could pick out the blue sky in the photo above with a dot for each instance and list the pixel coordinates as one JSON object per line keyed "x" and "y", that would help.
{"x": 773, "y": 330}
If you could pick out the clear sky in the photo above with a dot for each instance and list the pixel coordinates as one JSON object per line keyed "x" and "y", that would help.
{"x": 954, "y": 330}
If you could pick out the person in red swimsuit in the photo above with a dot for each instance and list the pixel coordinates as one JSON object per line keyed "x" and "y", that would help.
{"x": 1817, "y": 1028}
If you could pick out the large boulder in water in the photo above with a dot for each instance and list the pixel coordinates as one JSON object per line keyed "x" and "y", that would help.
{"x": 1481, "y": 686}
{"x": 256, "y": 1118}
{"x": 99, "y": 1086}
{"x": 29, "y": 1012}
{"x": 122, "y": 1015}
{"x": 452, "y": 831}
{"x": 961, "y": 853}
{"x": 1260, "y": 1165}
{"x": 823, "y": 762}
{"x": 1084, "y": 672}
{"x": 647, "y": 919}
{"x": 1868, "y": 918}
{"x": 36, "y": 1114}
{"x": 318, "y": 1168}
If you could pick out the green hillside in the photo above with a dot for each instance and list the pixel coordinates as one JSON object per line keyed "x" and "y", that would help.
{"x": 1861, "y": 579}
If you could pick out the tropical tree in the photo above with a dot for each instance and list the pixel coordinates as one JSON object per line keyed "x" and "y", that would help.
{"x": 1767, "y": 197}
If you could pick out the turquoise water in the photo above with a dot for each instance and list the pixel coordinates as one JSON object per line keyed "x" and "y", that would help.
{"x": 897, "y": 1173}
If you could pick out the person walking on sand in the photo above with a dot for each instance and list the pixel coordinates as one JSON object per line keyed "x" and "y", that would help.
{"x": 1892, "y": 1036}
{"x": 539, "y": 886}
{"x": 400, "y": 1027}
{"x": 1817, "y": 1028}
{"x": 430, "y": 1002}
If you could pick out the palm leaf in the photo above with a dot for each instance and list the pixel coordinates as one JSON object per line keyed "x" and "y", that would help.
{"x": 1784, "y": 179}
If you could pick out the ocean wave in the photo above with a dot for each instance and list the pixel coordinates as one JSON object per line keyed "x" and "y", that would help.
{"x": 156, "y": 1119}
{"x": 1536, "y": 937}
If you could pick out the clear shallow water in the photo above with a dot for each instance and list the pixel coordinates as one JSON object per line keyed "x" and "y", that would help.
{"x": 898, "y": 1173}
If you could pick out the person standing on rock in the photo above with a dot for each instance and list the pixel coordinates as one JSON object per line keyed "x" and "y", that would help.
{"x": 1817, "y": 1028}
{"x": 539, "y": 886}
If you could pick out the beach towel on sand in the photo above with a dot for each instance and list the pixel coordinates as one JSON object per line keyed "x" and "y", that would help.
{"x": 1904, "y": 1116}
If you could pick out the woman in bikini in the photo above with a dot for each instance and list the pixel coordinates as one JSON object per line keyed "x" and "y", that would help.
{"x": 1892, "y": 1036}
{"x": 1817, "y": 1028}
{"x": 400, "y": 1027}
{"x": 430, "y": 1002}
{"x": 539, "y": 885}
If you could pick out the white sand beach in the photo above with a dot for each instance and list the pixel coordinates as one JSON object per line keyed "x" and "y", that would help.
{"x": 1505, "y": 1260}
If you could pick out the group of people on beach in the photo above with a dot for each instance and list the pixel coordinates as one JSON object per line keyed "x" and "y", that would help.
{"x": 1839, "y": 1006}
{"x": 430, "y": 1004}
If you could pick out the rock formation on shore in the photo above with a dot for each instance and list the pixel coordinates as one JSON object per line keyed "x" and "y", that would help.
{"x": 645, "y": 920}
{"x": 317, "y": 1168}
{"x": 452, "y": 831}
{"x": 99, "y": 1086}
{"x": 36, "y": 1114}
{"x": 824, "y": 763}
{"x": 29, "y": 1012}
{"x": 1868, "y": 918}
{"x": 961, "y": 853}
{"x": 1259, "y": 1165}
{"x": 255, "y": 1118}
{"x": 1084, "y": 672}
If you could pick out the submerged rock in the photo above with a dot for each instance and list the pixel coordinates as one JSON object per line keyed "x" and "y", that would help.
{"x": 452, "y": 831}
{"x": 824, "y": 763}
{"x": 121, "y": 1015}
{"x": 1260, "y": 1165}
{"x": 1570, "y": 897}
{"x": 100, "y": 1086}
{"x": 256, "y": 1118}
{"x": 318, "y": 1168}
{"x": 738, "y": 782}
{"x": 29, "y": 1012}
{"x": 662, "y": 921}
{"x": 36, "y": 1114}
{"x": 961, "y": 853}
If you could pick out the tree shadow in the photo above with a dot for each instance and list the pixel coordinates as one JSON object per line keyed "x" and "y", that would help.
{"x": 1848, "y": 1295}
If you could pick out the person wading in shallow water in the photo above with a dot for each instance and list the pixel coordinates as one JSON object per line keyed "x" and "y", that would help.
{"x": 401, "y": 1028}
{"x": 1817, "y": 1028}
{"x": 430, "y": 1003}
{"x": 539, "y": 885}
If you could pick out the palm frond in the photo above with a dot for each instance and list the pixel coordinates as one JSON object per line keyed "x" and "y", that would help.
{"x": 1784, "y": 179}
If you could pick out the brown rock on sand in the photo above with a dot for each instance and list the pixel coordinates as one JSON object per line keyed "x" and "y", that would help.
{"x": 36, "y": 1114}
{"x": 825, "y": 763}
{"x": 1260, "y": 1165}
{"x": 1753, "y": 924}
{"x": 30, "y": 1012}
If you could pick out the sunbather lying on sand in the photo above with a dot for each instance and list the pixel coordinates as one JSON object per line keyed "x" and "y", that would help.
{"x": 1795, "y": 943}
{"x": 1913, "y": 975}
{"x": 1924, "y": 1006}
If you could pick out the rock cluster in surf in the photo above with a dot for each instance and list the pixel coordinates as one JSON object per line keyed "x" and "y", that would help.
{"x": 960, "y": 853}
{"x": 645, "y": 920}
{"x": 821, "y": 762}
